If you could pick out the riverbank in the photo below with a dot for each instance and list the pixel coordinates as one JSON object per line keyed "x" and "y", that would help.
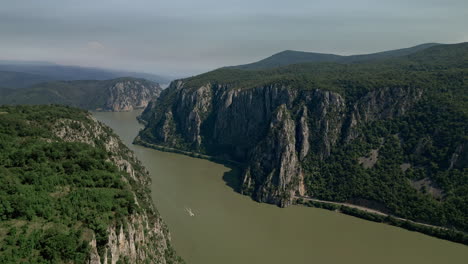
{"x": 345, "y": 208}
{"x": 139, "y": 141}
{"x": 381, "y": 217}
{"x": 231, "y": 228}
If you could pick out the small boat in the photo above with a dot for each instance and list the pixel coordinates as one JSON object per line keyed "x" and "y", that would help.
{"x": 189, "y": 211}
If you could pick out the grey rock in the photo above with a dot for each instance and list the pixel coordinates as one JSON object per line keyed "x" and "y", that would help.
{"x": 130, "y": 95}
{"x": 271, "y": 129}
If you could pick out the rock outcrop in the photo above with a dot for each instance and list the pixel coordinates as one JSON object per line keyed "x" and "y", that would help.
{"x": 271, "y": 129}
{"x": 127, "y": 95}
{"x": 275, "y": 171}
{"x": 142, "y": 237}
{"x": 122, "y": 94}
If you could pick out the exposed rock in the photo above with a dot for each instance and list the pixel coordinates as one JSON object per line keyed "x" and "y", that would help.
{"x": 121, "y": 94}
{"x": 405, "y": 166}
{"x": 381, "y": 104}
{"x": 271, "y": 129}
{"x": 303, "y": 135}
{"x": 143, "y": 238}
{"x": 195, "y": 106}
{"x": 275, "y": 164}
{"x": 427, "y": 186}
{"x": 130, "y": 95}
{"x": 369, "y": 162}
{"x": 459, "y": 157}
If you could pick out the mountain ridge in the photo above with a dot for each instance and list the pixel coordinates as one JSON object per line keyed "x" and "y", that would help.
{"x": 57, "y": 72}
{"x": 288, "y": 57}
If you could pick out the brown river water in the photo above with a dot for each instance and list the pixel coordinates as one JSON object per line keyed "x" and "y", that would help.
{"x": 227, "y": 227}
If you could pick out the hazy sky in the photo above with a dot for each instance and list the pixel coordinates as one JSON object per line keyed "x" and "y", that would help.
{"x": 183, "y": 37}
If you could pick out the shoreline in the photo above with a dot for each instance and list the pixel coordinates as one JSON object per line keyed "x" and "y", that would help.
{"x": 344, "y": 208}
{"x": 143, "y": 143}
{"x": 380, "y": 217}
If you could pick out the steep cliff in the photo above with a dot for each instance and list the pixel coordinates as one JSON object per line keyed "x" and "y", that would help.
{"x": 126, "y": 95}
{"x": 123, "y": 94}
{"x": 291, "y": 127}
{"x": 270, "y": 128}
{"x": 145, "y": 238}
{"x": 94, "y": 187}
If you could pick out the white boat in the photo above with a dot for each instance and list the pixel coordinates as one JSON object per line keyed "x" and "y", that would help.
{"x": 189, "y": 211}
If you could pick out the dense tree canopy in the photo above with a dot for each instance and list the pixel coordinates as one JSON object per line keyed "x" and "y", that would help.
{"x": 53, "y": 194}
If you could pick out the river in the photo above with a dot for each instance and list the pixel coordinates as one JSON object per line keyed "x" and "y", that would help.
{"x": 228, "y": 227}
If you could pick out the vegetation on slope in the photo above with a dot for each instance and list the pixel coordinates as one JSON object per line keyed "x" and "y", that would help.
{"x": 87, "y": 94}
{"x": 15, "y": 80}
{"x": 289, "y": 57}
{"x": 55, "y": 196}
{"x": 426, "y": 138}
{"x": 433, "y": 67}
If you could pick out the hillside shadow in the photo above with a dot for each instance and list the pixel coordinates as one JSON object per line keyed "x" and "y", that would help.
{"x": 232, "y": 178}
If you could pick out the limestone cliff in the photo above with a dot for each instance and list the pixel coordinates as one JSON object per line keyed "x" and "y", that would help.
{"x": 269, "y": 128}
{"x": 142, "y": 237}
{"x": 122, "y": 94}
{"x": 127, "y": 95}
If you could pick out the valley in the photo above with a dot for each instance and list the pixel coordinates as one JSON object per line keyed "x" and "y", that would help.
{"x": 232, "y": 228}
{"x": 228, "y": 132}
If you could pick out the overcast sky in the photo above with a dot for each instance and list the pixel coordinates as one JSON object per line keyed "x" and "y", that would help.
{"x": 185, "y": 37}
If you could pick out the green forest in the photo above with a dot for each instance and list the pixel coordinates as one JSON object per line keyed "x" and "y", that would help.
{"x": 54, "y": 195}
{"x": 442, "y": 129}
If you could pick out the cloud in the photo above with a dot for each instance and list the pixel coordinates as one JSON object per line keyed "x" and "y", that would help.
{"x": 188, "y": 37}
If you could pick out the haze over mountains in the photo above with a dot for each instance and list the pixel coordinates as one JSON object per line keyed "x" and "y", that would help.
{"x": 29, "y": 82}
{"x": 17, "y": 74}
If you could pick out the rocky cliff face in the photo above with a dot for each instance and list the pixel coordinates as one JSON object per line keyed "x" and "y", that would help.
{"x": 126, "y": 95}
{"x": 271, "y": 129}
{"x": 142, "y": 237}
{"x": 122, "y": 94}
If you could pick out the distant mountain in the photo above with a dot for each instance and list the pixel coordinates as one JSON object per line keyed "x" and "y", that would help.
{"x": 20, "y": 79}
{"x": 21, "y": 62}
{"x": 122, "y": 94}
{"x": 289, "y": 57}
{"x": 50, "y": 71}
{"x": 5, "y": 92}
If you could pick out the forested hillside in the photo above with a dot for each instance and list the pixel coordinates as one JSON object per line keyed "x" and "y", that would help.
{"x": 15, "y": 80}
{"x": 122, "y": 94}
{"x": 289, "y": 57}
{"x": 68, "y": 188}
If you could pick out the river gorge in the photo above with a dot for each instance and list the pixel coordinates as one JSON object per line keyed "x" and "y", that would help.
{"x": 212, "y": 223}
